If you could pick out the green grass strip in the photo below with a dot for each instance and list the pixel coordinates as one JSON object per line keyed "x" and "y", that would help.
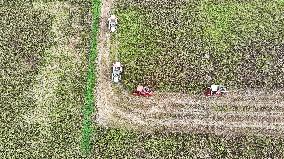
{"x": 91, "y": 80}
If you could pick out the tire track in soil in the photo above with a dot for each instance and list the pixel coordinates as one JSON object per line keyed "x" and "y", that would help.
{"x": 181, "y": 112}
{"x": 259, "y": 122}
{"x": 104, "y": 91}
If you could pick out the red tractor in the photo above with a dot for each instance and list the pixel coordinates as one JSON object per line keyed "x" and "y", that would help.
{"x": 142, "y": 91}
{"x": 215, "y": 90}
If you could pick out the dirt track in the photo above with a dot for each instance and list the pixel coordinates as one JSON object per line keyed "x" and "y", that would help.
{"x": 255, "y": 113}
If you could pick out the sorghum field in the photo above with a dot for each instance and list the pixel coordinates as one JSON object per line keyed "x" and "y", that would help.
{"x": 44, "y": 50}
{"x": 43, "y": 61}
{"x": 185, "y": 45}
{"x": 119, "y": 143}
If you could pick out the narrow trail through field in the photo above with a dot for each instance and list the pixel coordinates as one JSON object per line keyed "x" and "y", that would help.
{"x": 104, "y": 91}
{"x": 250, "y": 112}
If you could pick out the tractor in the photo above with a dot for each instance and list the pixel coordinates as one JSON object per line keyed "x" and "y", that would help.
{"x": 116, "y": 72}
{"x": 112, "y": 23}
{"x": 216, "y": 90}
{"x": 142, "y": 91}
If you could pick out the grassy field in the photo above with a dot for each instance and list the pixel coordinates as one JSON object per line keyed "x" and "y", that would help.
{"x": 43, "y": 54}
{"x": 89, "y": 109}
{"x": 186, "y": 45}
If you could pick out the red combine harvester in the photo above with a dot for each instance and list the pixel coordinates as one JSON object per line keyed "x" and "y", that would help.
{"x": 142, "y": 91}
{"x": 215, "y": 90}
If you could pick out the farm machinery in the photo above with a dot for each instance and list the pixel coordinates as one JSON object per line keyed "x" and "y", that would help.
{"x": 216, "y": 90}
{"x": 112, "y": 23}
{"x": 116, "y": 72}
{"x": 142, "y": 91}
{"x": 213, "y": 90}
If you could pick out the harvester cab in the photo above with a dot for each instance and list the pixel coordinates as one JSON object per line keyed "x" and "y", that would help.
{"x": 216, "y": 90}
{"x": 116, "y": 72}
{"x": 112, "y": 23}
{"x": 143, "y": 91}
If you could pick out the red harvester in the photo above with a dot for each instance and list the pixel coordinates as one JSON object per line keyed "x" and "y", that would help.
{"x": 142, "y": 91}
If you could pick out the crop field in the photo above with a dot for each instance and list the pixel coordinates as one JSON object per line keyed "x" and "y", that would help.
{"x": 181, "y": 47}
{"x": 184, "y": 46}
{"x": 119, "y": 143}
{"x": 46, "y": 81}
{"x": 43, "y": 52}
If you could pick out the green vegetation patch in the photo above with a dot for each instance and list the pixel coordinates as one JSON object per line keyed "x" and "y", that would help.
{"x": 186, "y": 45}
{"x": 91, "y": 79}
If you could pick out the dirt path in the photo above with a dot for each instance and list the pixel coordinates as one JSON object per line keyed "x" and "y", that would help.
{"x": 257, "y": 112}
{"x": 104, "y": 91}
